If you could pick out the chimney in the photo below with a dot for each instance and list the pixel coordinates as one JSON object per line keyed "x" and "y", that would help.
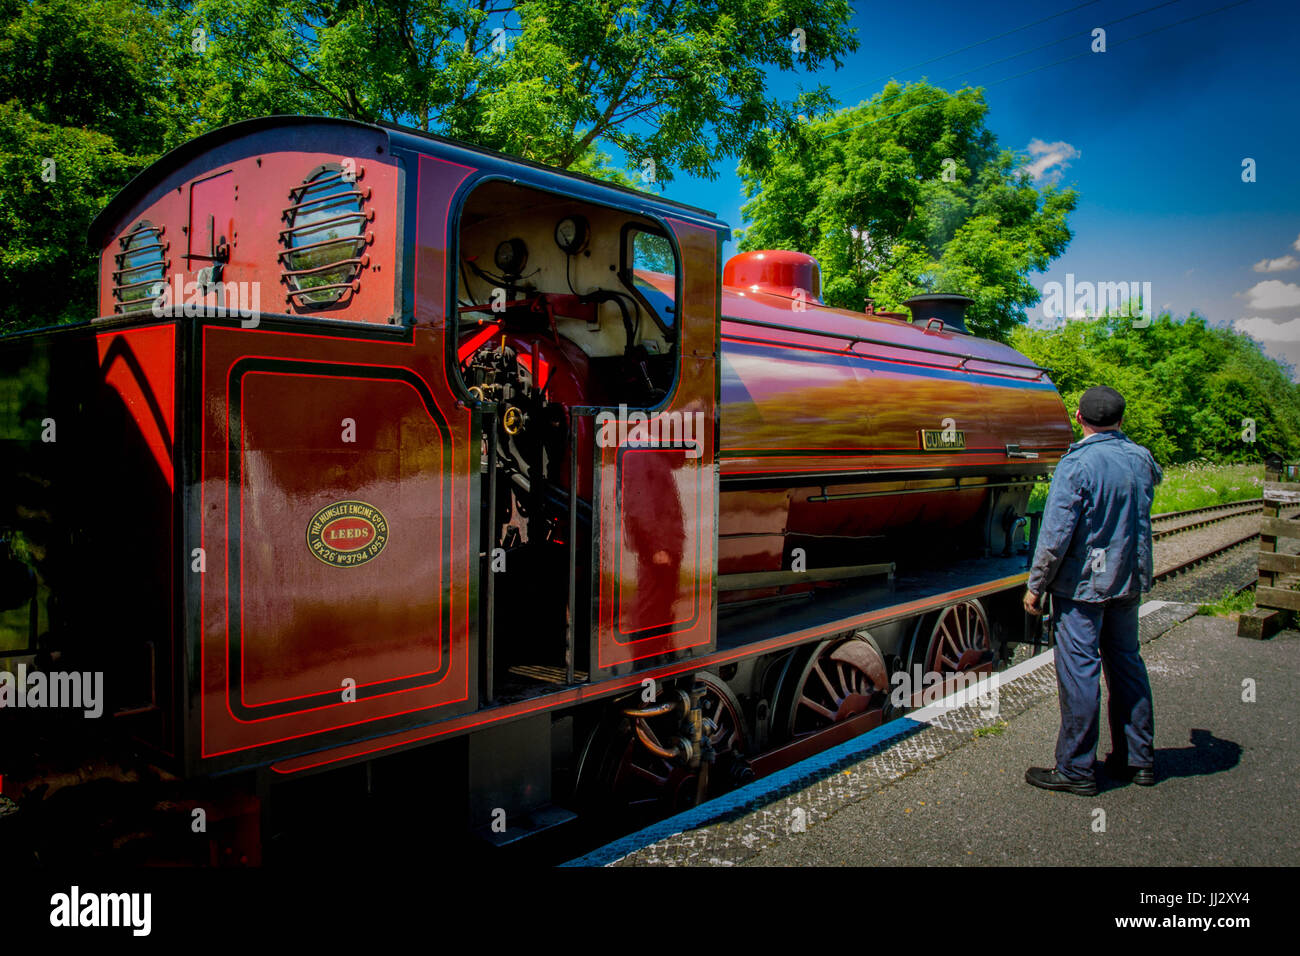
{"x": 949, "y": 308}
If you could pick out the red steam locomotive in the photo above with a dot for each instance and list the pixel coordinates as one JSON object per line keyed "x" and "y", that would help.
{"x": 394, "y": 460}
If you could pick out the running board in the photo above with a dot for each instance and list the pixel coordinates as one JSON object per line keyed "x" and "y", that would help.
{"x": 774, "y": 579}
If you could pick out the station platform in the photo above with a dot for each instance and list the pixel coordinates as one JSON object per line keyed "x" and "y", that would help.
{"x": 944, "y": 786}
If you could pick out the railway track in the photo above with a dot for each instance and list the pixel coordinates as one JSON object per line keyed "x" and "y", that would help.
{"x": 1169, "y": 524}
{"x": 1173, "y": 522}
{"x": 1173, "y": 570}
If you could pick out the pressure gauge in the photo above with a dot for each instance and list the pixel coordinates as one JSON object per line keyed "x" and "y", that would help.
{"x": 511, "y": 256}
{"x": 571, "y": 234}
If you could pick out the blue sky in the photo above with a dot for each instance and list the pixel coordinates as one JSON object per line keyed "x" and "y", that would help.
{"x": 1152, "y": 133}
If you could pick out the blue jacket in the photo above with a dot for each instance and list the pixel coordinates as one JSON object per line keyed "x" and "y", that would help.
{"x": 1095, "y": 541}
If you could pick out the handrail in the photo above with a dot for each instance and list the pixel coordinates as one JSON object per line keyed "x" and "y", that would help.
{"x": 354, "y": 285}
{"x": 136, "y": 250}
{"x": 337, "y": 177}
{"x": 329, "y": 197}
{"x": 119, "y": 273}
{"x": 126, "y": 238}
{"x": 135, "y": 285}
{"x": 368, "y": 238}
{"x": 362, "y": 261}
{"x": 365, "y": 216}
{"x": 855, "y": 339}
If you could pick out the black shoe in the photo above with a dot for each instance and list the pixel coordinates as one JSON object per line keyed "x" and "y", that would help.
{"x": 1051, "y": 780}
{"x": 1142, "y": 776}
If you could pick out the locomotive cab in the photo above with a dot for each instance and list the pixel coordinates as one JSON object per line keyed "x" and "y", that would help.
{"x": 560, "y": 304}
{"x": 534, "y": 264}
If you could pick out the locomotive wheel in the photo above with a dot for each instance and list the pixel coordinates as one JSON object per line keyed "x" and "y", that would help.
{"x": 629, "y": 781}
{"x": 960, "y": 641}
{"x": 841, "y": 679}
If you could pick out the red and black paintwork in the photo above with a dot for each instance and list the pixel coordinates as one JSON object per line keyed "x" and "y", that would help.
{"x": 819, "y": 402}
{"x": 229, "y": 644}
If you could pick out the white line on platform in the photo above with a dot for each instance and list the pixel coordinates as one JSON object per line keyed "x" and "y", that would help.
{"x": 1150, "y": 606}
{"x": 971, "y": 694}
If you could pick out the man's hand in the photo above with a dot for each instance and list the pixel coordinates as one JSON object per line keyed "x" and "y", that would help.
{"x": 1031, "y": 604}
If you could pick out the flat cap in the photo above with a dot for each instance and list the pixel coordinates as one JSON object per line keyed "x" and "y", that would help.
{"x": 1102, "y": 406}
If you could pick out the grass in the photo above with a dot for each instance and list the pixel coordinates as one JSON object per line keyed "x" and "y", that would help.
{"x": 1194, "y": 485}
{"x": 992, "y": 730}
{"x": 1231, "y": 605}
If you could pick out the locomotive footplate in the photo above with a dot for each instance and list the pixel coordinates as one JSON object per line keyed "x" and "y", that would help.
{"x": 881, "y": 600}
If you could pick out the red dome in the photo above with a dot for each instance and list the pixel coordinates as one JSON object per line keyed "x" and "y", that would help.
{"x": 779, "y": 271}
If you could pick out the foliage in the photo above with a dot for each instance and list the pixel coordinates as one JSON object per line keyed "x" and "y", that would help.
{"x": 1198, "y": 484}
{"x": 908, "y": 193}
{"x": 679, "y": 83}
{"x": 1231, "y": 605}
{"x": 47, "y": 272}
{"x": 1190, "y": 388}
{"x": 103, "y": 87}
{"x": 79, "y": 85}
{"x": 86, "y": 64}
{"x": 995, "y": 729}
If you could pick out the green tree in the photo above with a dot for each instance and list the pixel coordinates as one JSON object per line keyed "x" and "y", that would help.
{"x": 102, "y": 87}
{"x": 1191, "y": 390}
{"x": 47, "y": 272}
{"x": 82, "y": 109}
{"x": 908, "y": 193}
{"x": 678, "y": 83}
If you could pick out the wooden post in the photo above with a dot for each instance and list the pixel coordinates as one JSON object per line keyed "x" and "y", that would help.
{"x": 1268, "y": 542}
{"x": 1276, "y": 570}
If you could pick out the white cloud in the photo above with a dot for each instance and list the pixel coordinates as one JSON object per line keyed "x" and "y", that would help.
{"x": 1049, "y": 155}
{"x": 1274, "y": 294}
{"x": 1277, "y": 265}
{"x": 1281, "y": 340}
{"x": 1269, "y": 330}
{"x": 1286, "y": 352}
{"x": 1296, "y": 245}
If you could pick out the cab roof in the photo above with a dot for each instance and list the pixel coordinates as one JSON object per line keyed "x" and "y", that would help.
{"x": 400, "y": 137}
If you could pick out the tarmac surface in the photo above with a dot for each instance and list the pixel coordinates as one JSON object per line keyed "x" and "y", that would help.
{"x": 945, "y": 786}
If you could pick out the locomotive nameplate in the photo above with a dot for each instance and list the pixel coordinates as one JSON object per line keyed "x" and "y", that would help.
{"x": 935, "y": 439}
{"x": 347, "y": 533}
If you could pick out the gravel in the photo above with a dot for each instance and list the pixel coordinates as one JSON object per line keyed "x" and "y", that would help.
{"x": 1172, "y": 551}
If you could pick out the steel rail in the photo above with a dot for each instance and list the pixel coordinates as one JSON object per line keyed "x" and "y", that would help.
{"x": 1183, "y": 566}
{"x": 1220, "y": 513}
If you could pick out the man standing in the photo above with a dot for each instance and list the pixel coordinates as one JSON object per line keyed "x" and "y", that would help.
{"x": 1094, "y": 556}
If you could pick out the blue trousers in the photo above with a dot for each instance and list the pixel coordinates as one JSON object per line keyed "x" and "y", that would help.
{"x": 1092, "y": 639}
